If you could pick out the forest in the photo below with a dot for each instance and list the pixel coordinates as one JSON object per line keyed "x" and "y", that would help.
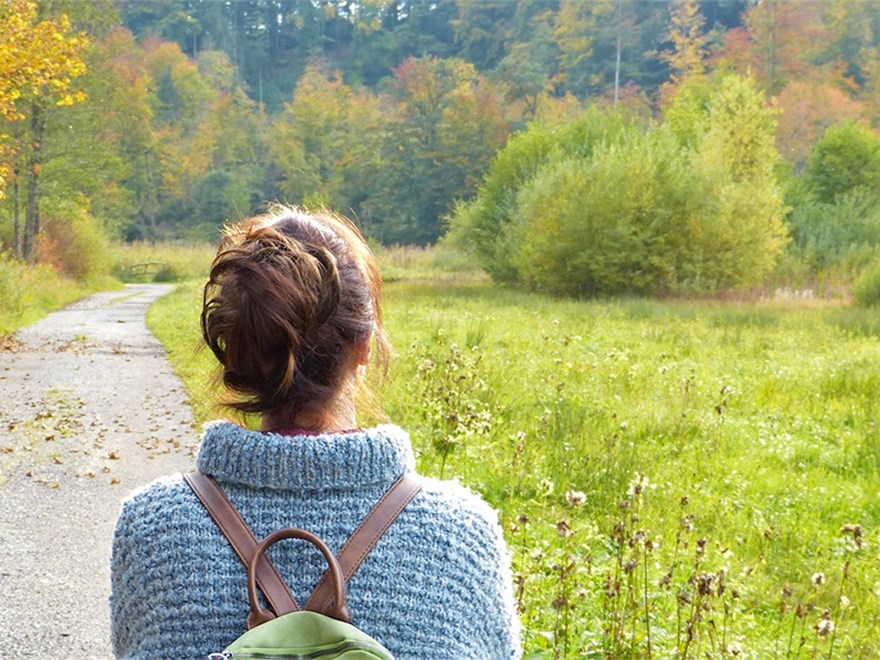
{"x": 620, "y": 241}
{"x": 651, "y": 148}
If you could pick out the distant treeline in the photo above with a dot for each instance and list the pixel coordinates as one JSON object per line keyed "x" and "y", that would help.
{"x": 164, "y": 119}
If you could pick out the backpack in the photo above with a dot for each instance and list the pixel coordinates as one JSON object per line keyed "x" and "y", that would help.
{"x": 321, "y": 629}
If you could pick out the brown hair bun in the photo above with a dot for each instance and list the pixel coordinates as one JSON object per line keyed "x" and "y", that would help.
{"x": 289, "y": 296}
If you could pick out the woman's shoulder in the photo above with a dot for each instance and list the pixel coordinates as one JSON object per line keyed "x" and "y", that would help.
{"x": 451, "y": 510}
{"x": 160, "y": 500}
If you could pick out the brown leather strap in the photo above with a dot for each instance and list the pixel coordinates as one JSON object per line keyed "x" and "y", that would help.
{"x": 242, "y": 540}
{"x": 365, "y": 537}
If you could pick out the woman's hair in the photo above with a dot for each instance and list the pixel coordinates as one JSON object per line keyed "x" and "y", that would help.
{"x": 291, "y": 297}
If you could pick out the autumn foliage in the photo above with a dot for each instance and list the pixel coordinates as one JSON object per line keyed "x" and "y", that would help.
{"x": 165, "y": 121}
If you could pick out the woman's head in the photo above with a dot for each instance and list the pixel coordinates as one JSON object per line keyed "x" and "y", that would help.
{"x": 289, "y": 310}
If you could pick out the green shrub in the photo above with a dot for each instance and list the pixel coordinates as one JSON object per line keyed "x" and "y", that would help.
{"x": 866, "y": 290}
{"x": 601, "y": 206}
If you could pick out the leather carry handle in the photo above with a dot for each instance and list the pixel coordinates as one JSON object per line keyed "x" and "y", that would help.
{"x": 352, "y": 554}
{"x": 258, "y": 614}
{"x": 242, "y": 540}
{"x": 364, "y": 538}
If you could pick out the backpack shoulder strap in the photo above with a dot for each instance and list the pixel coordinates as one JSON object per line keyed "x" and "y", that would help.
{"x": 242, "y": 540}
{"x": 365, "y": 537}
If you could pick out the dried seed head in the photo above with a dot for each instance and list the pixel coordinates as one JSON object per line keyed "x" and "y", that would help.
{"x": 563, "y": 528}
{"x": 630, "y": 566}
{"x": 523, "y": 519}
{"x": 824, "y": 626}
{"x": 560, "y": 603}
{"x": 854, "y": 530}
{"x": 787, "y": 591}
{"x": 703, "y": 583}
{"x": 575, "y": 498}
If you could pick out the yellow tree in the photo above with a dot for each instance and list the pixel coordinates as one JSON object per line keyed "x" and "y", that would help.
{"x": 687, "y": 59}
{"x": 39, "y": 60}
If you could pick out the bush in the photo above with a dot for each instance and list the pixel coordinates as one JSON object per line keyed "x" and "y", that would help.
{"x": 481, "y": 224}
{"x": 866, "y": 289}
{"x": 74, "y": 243}
{"x": 607, "y": 225}
{"x": 601, "y": 206}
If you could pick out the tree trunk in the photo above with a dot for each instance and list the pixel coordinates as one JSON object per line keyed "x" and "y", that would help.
{"x": 32, "y": 212}
{"x": 16, "y": 192}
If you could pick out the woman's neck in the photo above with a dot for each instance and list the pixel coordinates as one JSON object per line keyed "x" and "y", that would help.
{"x": 340, "y": 416}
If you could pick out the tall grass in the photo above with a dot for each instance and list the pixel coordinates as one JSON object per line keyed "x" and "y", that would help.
{"x": 27, "y": 293}
{"x": 675, "y": 479}
{"x": 172, "y": 262}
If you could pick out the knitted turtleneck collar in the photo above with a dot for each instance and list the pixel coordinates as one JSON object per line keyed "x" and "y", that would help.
{"x": 305, "y": 462}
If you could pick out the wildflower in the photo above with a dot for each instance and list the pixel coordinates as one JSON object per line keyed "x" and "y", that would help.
{"x": 704, "y": 583}
{"x": 844, "y": 602}
{"x": 637, "y": 538}
{"x": 734, "y": 648}
{"x": 687, "y": 523}
{"x": 855, "y": 531}
{"x": 560, "y": 603}
{"x": 624, "y": 426}
{"x": 824, "y": 626}
{"x": 817, "y": 579}
{"x": 637, "y": 485}
{"x": 575, "y": 497}
{"x": 563, "y": 528}
{"x": 546, "y": 486}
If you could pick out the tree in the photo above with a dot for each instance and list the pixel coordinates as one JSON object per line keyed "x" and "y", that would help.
{"x": 39, "y": 60}
{"x": 806, "y": 110}
{"x": 744, "y": 234}
{"x": 575, "y": 28}
{"x": 447, "y": 125}
{"x": 687, "y": 58}
{"x": 846, "y": 158}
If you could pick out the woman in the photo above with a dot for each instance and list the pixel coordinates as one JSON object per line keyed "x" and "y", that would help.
{"x": 291, "y": 310}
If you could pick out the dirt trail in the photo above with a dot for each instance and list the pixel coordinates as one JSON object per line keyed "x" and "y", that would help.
{"x": 89, "y": 411}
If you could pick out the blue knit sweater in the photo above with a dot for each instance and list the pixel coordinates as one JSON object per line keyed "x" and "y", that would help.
{"x": 437, "y": 584}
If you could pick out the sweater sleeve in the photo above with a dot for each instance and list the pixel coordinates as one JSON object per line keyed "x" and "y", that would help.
{"x": 163, "y": 581}
{"x": 498, "y": 624}
{"x": 462, "y": 569}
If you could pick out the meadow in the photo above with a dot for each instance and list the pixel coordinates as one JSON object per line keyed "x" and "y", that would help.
{"x": 675, "y": 479}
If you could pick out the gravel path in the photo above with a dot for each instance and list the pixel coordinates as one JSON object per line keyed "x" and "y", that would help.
{"x": 89, "y": 411}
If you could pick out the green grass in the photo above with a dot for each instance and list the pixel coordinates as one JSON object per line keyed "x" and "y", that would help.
{"x": 28, "y": 293}
{"x": 587, "y": 424}
{"x": 182, "y": 261}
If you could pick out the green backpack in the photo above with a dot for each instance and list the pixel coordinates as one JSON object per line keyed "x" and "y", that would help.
{"x": 320, "y": 630}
